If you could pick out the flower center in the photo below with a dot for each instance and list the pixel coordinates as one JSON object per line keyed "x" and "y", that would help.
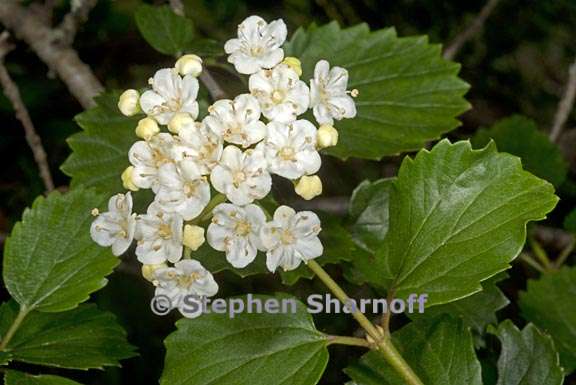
{"x": 286, "y": 237}
{"x": 190, "y": 189}
{"x": 186, "y": 281}
{"x": 242, "y": 228}
{"x": 164, "y": 231}
{"x": 256, "y": 51}
{"x": 238, "y": 177}
{"x": 278, "y": 96}
{"x": 286, "y": 153}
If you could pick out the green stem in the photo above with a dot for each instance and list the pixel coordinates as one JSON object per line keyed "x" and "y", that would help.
{"x": 540, "y": 253}
{"x": 533, "y": 263}
{"x": 207, "y": 213}
{"x": 14, "y": 327}
{"x": 565, "y": 253}
{"x": 384, "y": 345}
{"x": 350, "y": 341}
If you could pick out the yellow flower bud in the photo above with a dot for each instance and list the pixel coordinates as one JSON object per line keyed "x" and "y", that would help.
{"x": 327, "y": 136}
{"x": 128, "y": 102}
{"x": 178, "y": 121}
{"x": 149, "y": 270}
{"x": 193, "y": 237}
{"x": 293, "y": 63}
{"x": 127, "y": 179}
{"x": 189, "y": 65}
{"x": 309, "y": 186}
{"x": 147, "y": 128}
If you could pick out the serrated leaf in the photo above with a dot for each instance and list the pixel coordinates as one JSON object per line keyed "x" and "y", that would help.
{"x": 369, "y": 211}
{"x": 100, "y": 151}
{"x": 205, "y": 47}
{"x": 251, "y": 348}
{"x": 528, "y": 357}
{"x": 520, "y": 136}
{"x": 549, "y": 303}
{"x": 408, "y": 93}
{"x": 83, "y": 338}
{"x": 50, "y": 262}
{"x": 165, "y": 31}
{"x": 12, "y": 377}
{"x": 457, "y": 217}
{"x": 439, "y": 350}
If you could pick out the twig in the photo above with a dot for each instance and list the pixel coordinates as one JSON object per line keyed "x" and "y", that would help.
{"x": 475, "y": 27}
{"x": 216, "y": 92}
{"x": 177, "y": 7}
{"x": 46, "y": 42}
{"x": 78, "y": 15}
{"x": 566, "y": 104}
{"x": 13, "y": 94}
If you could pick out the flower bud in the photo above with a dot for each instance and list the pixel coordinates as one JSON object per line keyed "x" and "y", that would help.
{"x": 127, "y": 179}
{"x": 128, "y": 102}
{"x": 189, "y": 65}
{"x": 193, "y": 237}
{"x": 293, "y": 63}
{"x": 178, "y": 121}
{"x": 147, "y": 128}
{"x": 149, "y": 270}
{"x": 309, "y": 186}
{"x": 327, "y": 136}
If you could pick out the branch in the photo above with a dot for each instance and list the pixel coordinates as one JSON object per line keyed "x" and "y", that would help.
{"x": 216, "y": 92}
{"x": 78, "y": 15}
{"x": 13, "y": 94}
{"x": 475, "y": 27}
{"x": 566, "y": 104}
{"x": 60, "y": 58}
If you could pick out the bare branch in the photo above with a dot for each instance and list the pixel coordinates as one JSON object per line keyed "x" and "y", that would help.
{"x": 566, "y": 104}
{"x": 60, "y": 58}
{"x": 13, "y": 94}
{"x": 216, "y": 92}
{"x": 333, "y": 205}
{"x": 475, "y": 27}
{"x": 78, "y": 15}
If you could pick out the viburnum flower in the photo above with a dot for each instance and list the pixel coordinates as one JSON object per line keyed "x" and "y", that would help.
{"x": 282, "y": 95}
{"x": 200, "y": 145}
{"x": 170, "y": 94}
{"x": 242, "y": 176}
{"x": 147, "y": 157}
{"x": 187, "y": 277}
{"x": 291, "y": 238}
{"x": 290, "y": 149}
{"x": 182, "y": 190}
{"x": 257, "y": 46}
{"x": 115, "y": 227}
{"x": 237, "y": 121}
{"x": 236, "y": 231}
{"x": 329, "y": 99}
{"x": 159, "y": 236}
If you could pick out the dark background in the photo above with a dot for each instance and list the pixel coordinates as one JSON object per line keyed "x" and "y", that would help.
{"x": 517, "y": 64}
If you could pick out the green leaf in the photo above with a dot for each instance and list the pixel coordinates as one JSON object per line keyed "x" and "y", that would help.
{"x": 251, "y": 348}
{"x": 549, "y": 304}
{"x": 205, "y": 47}
{"x": 83, "y": 338}
{"x": 570, "y": 221}
{"x": 50, "y": 262}
{"x": 13, "y": 377}
{"x": 438, "y": 349}
{"x": 165, "y": 31}
{"x": 528, "y": 357}
{"x": 369, "y": 211}
{"x": 457, "y": 217}
{"x": 520, "y": 136}
{"x": 100, "y": 151}
{"x": 408, "y": 93}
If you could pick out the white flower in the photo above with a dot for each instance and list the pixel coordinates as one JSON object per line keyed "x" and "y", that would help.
{"x": 308, "y": 187}
{"x": 187, "y": 277}
{"x": 189, "y": 65}
{"x": 128, "y": 102}
{"x": 236, "y": 230}
{"x": 200, "y": 145}
{"x": 237, "y": 121}
{"x": 116, "y": 226}
{"x": 291, "y": 149}
{"x": 242, "y": 176}
{"x": 182, "y": 190}
{"x": 282, "y": 95}
{"x": 291, "y": 238}
{"x": 170, "y": 94}
{"x": 159, "y": 236}
{"x": 257, "y": 46}
{"x": 329, "y": 99}
{"x": 147, "y": 157}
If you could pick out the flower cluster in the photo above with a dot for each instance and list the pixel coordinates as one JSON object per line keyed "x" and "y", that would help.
{"x": 232, "y": 151}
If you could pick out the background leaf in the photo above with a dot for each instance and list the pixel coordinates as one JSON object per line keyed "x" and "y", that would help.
{"x": 13, "y": 377}
{"x": 83, "y": 338}
{"x": 528, "y": 357}
{"x": 549, "y": 304}
{"x": 438, "y": 349}
{"x": 247, "y": 349}
{"x": 50, "y": 261}
{"x": 408, "y": 93}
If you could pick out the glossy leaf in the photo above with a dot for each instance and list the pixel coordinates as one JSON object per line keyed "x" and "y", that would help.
{"x": 164, "y": 30}
{"x": 13, "y": 377}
